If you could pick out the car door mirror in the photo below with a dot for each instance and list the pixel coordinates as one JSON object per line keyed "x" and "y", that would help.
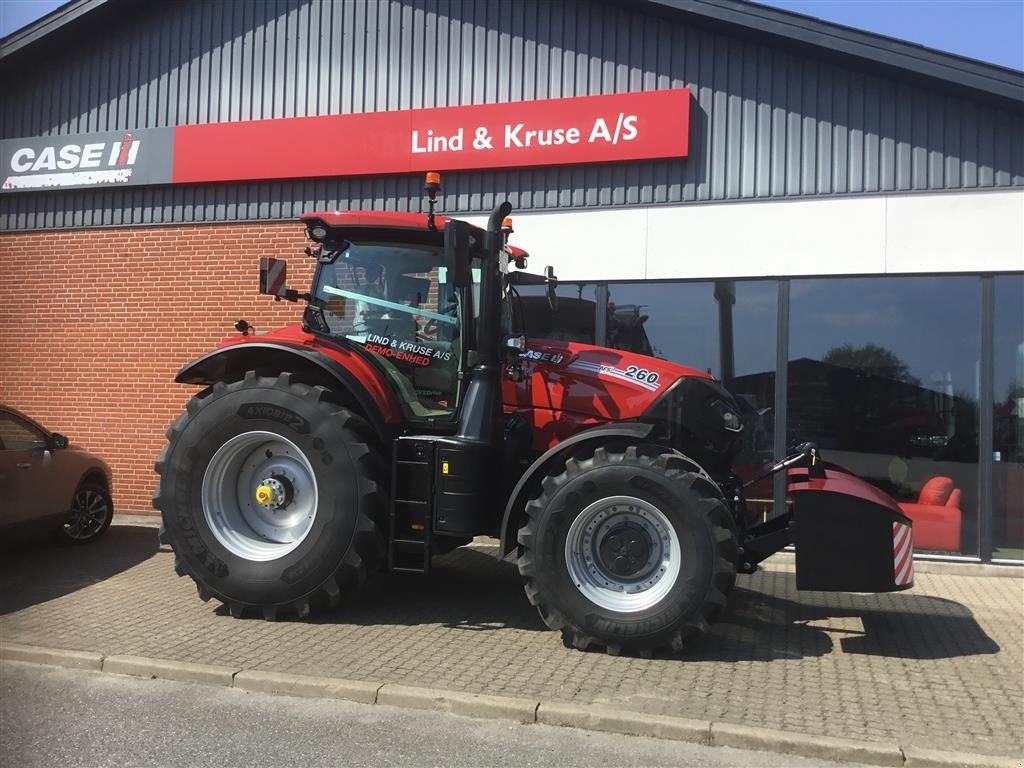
{"x": 58, "y": 441}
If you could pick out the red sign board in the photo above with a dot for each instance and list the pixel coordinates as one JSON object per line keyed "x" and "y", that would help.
{"x": 586, "y": 129}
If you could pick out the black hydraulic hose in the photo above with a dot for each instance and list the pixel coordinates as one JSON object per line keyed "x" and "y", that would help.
{"x": 804, "y": 451}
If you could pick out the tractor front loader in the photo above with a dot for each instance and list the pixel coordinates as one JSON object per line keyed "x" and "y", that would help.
{"x": 407, "y": 413}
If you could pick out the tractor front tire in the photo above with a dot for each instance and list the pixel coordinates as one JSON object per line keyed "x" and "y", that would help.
{"x": 271, "y": 498}
{"x": 632, "y": 551}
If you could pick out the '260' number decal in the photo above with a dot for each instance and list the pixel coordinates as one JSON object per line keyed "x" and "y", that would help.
{"x": 642, "y": 374}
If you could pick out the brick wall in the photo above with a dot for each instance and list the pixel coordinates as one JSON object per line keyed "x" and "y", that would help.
{"x": 94, "y": 324}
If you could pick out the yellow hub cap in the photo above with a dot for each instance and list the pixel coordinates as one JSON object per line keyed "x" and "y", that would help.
{"x": 264, "y": 494}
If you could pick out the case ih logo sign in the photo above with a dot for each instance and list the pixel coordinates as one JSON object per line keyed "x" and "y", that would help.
{"x": 71, "y": 160}
{"x": 86, "y": 160}
{"x": 588, "y": 129}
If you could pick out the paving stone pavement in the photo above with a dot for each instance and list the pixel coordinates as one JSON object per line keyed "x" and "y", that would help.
{"x": 940, "y": 666}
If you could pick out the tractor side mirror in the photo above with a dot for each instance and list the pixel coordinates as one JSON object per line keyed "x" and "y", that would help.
{"x": 552, "y": 282}
{"x": 457, "y": 244}
{"x": 273, "y": 274}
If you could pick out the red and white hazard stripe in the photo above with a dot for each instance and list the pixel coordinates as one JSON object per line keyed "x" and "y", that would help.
{"x": 276, "y": 277}
{"x": 273, "y": 275}
{"x": 902, "y": 554}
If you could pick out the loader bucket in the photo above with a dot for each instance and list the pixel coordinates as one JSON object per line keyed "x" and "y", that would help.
{"x": 849, "y": 536}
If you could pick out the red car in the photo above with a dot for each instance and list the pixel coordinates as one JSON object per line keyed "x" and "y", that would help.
{"x": 46, "y": 481}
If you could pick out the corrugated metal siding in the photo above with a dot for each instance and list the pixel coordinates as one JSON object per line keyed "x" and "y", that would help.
{"x": 767, "y": 122}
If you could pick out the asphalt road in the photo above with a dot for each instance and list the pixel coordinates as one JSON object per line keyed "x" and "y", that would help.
{"x": 51, "y": 716}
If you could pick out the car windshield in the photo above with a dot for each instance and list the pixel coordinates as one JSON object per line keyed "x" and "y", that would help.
{"x": 396, "y": 301}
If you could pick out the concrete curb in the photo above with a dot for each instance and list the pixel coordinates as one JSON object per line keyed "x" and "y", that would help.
{"x": 458, "y": 702}
{"x": 164, "y": 669}
{"x": 805, "y": 745}
{"x": 55, "y": 657}
{"x": 305, "y": 685}
{"x": 594, "y": 717}
{"x": 920, "y": 757}
{"x": 146, "y": 521}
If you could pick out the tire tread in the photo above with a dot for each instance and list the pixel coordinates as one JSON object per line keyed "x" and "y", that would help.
{"x": 677, "y": 468}
{"x": 366, "y": 552}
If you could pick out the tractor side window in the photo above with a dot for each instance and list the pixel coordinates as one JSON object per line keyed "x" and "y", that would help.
{"x": 396, "y": 302}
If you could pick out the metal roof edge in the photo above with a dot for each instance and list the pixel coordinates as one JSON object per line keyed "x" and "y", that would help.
{"x": 51, "y": 22}
{"x": 1003, "y": 82}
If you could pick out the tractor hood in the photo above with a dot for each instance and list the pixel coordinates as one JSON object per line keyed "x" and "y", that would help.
{"x": 596, "y": 382}
{"x": 568, "y": 386}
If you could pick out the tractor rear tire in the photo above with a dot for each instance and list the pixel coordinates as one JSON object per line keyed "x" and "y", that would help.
{"x": 315, "y": 535}
{"x": 632, "y": 551}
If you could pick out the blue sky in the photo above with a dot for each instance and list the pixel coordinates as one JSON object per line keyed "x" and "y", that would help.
{"x": 989, "y": 30}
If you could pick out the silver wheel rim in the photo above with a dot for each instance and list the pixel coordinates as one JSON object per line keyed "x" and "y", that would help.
{"x": 616, "y": 530}
{"x": 245, "y": 526}
{"x": 89, "y": 513}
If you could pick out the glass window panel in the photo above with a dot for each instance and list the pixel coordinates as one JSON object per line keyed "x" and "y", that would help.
{"x": 395, "y": 301}
{"x": 1008, "y": 420}
{"x": 574, "y": 317}
{"x": 884, "y": 376}
{"x": 16, "y": 435}
{"x": 724, "y": 327}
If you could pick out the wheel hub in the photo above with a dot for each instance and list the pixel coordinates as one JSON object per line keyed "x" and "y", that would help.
{"x": 623, "y": 554}
{"x": 89, "y": 512}
{"x": 260, "y": 495}
{"x": 274, "y": 492}
{"x": 625, "y": 550}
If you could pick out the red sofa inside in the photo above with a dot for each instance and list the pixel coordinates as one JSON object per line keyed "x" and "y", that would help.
{"x": 936, "y": 515}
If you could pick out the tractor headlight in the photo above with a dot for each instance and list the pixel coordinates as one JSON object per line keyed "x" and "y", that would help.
{"x": 700, "y": 418}
{"x": 730, "y": 416}
{"x": 317, "y": 231}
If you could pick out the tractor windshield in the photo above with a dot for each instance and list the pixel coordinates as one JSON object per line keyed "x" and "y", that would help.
{"x": 397, "y": 302}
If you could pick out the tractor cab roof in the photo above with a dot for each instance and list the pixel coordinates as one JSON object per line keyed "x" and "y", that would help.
{"x": 373, "y": 220}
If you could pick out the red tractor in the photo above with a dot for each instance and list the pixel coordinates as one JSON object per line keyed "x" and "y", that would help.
{"x": 406, "y": 415}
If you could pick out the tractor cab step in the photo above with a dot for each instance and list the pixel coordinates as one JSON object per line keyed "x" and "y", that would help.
{"x": 437, "y": 487}
{"x": 409, "y": 556}
{"x": 412, "y": 494}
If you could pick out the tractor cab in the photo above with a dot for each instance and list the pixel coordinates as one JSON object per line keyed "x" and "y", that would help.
{"x": 386, "y": 286}
{"x": 404, "y": 291}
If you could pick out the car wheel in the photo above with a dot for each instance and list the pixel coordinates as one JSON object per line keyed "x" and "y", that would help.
{"x": 91, "y": 513}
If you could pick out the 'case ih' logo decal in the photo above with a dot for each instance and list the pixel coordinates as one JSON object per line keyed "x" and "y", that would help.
{"x": 543, "y": 357}
{"x": 72, "y": 165}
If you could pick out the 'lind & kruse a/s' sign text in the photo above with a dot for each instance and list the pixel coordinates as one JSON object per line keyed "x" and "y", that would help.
{"x": 588, "y": 129}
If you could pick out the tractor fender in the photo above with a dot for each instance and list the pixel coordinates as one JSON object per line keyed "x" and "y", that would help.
{"x": 510, "y": 522}
{"x": 233, "y": 361}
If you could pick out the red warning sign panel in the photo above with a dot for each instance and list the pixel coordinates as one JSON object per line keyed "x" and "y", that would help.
{"x": 273, "y": 274}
